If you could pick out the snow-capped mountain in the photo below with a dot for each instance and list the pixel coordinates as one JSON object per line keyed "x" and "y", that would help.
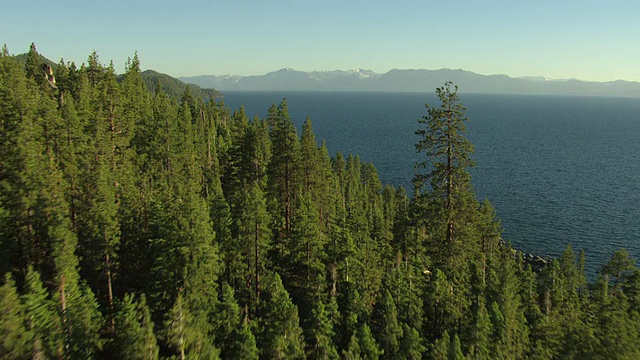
{"x": 408, "y": 80}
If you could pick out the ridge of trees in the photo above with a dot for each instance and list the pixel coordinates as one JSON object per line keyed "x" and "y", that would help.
{"x": 171, "y": 86}
{"x": 135, "y": 225}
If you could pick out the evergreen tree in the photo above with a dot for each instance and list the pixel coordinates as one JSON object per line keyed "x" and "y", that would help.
{"x": 412, "y": 346}
{"x": 362, "y": 345}
{"x": 455, "y": 351}
{"x": 386, "y": 327}
{"x": 480, "y": 346}
{"x": 32, "y": 66}
{"x": 511, "y": 335}
{"x": 441, "y": 347}
{"x": 185, "y": 334}
{"x": 307, "y": 255}
{"x": 16, "y": 106}
{"x": 616, "y": 332}
{"x": 107, "y": 191}
{"x": 353, "y": 350}
{"x": 367, "y": 344}
{"x": 254, "y": 243}
{"x": 233, "y": 333}
{"x": 321, "y": 344}
{"x": 283, "y": 168}
{"x": 42, "y": 318}
{"x": 448, "y": 202}
{"x": 15, "y": 338}
{"x": 244, "y": 344}
{"x": 280, "y": 336}
{"x": 133, "y": 336}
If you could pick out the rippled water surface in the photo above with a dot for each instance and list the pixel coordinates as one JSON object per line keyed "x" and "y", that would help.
{"x": 557, "y": 169}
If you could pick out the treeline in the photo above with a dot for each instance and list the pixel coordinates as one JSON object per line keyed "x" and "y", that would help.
{"x": 135, "y": 225}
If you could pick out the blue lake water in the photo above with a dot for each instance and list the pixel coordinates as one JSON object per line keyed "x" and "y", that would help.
{"x": 557, "y": 169}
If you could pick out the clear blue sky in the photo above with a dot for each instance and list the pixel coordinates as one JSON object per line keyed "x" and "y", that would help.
{"x": 587, "y": 39}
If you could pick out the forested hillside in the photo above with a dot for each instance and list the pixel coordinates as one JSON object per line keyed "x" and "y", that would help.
{"x": 134, "y": 225}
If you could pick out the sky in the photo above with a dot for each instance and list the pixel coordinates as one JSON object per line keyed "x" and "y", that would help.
{"x": 559, "y": 39}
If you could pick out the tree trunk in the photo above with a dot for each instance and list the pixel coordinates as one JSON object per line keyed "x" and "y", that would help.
{"x": 449, "y": 163}
{"x": 257, "y": 275}
{"x": 109, "y": 287}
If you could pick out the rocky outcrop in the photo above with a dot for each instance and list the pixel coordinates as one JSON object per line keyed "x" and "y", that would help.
{"x": 538, "y": 263}
{"x": 48, "y": 75}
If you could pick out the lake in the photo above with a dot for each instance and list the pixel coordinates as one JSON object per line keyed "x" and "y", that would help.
{"x": 557, "y": 169}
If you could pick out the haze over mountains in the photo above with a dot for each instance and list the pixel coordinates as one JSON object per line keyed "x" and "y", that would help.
{"x": 409, "y": 81}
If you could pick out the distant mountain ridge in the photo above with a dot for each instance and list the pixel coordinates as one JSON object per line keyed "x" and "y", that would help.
{"x": 174, "y": 87}
{"x": 409, "y": 80}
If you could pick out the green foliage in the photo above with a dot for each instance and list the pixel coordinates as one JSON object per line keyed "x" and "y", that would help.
{"x": 234, "y": 333}
{"x": 386, "y": 326}
{"x": 283, "y": 169}
{"x": 280, "y": 336}
{"x": 244, "y": 344}
{"x": 448, "y": 202}
{"x": 251, "y": 242}
{"x": 173, "y": 87}
{"x": 362, "y": 345}
{"x": 15, "y": 338}
{"x": 185, "y": 333}
{"x": 134, "y": 337}
{"x": 441, "y": 347}
{"x": 43, "y": 318}
{"x": 321, "y": 344}
{"x": 412, "y": 346}
{"x": 369, "y": 349}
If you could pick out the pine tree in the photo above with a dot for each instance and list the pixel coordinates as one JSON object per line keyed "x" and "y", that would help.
{"x": 362, "y": 345}
{"x": 455, "y": 351}
{"x": 129, "y": 182}
{"x": 233, "y": 333}
{"x": 179, "y": 334}
{"x": 360, "y": 196}
{"x": 481, "y": 334}
{"x": 616, "y": 332}
{"x": 412, "y": 346}
{"x": 352, "y": 352}
{"x": 309, "y": 161}
{"x": 440, "y": 349}
{"x": 306, "y": 260}
{"x": 229, "y": 318}
{"x": 15, "y": 338}
{"x": 32, "y": 66}
{"x": 283, "y": 168}
{"x": 281, "y": 336}
{"x": 24, "y": 162}
{"x": 442, "y": 310}
{"x": 368, "y": 346}
{"x": 150, "y": 348}
{"x": 321, "y": 344}
{"x": 133, "y": 336}
{"x": 42, "y": 319}
{"x": 76, "y": 302}
{"x": 511, "y": 335}
{"x": 16, "y": 104}
{"x": 618, "y": 269}
{"x": 386, "y": 327}
{"x": 254, "y": 243}
{"x": 448, "y": 201}
{"x": 244, "y": 344}
{"x": 185, "y": 333}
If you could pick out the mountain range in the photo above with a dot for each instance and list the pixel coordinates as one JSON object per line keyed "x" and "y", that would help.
{"x": 409, "y": 81}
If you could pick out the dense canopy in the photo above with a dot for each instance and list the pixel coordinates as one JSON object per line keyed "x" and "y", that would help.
{"x": 139, "y": 225}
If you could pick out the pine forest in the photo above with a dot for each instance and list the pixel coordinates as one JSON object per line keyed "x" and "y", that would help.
{"x": 141, "y": 224}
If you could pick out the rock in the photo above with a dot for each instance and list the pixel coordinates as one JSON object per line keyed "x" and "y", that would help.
{"x": 48, "y": 74}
